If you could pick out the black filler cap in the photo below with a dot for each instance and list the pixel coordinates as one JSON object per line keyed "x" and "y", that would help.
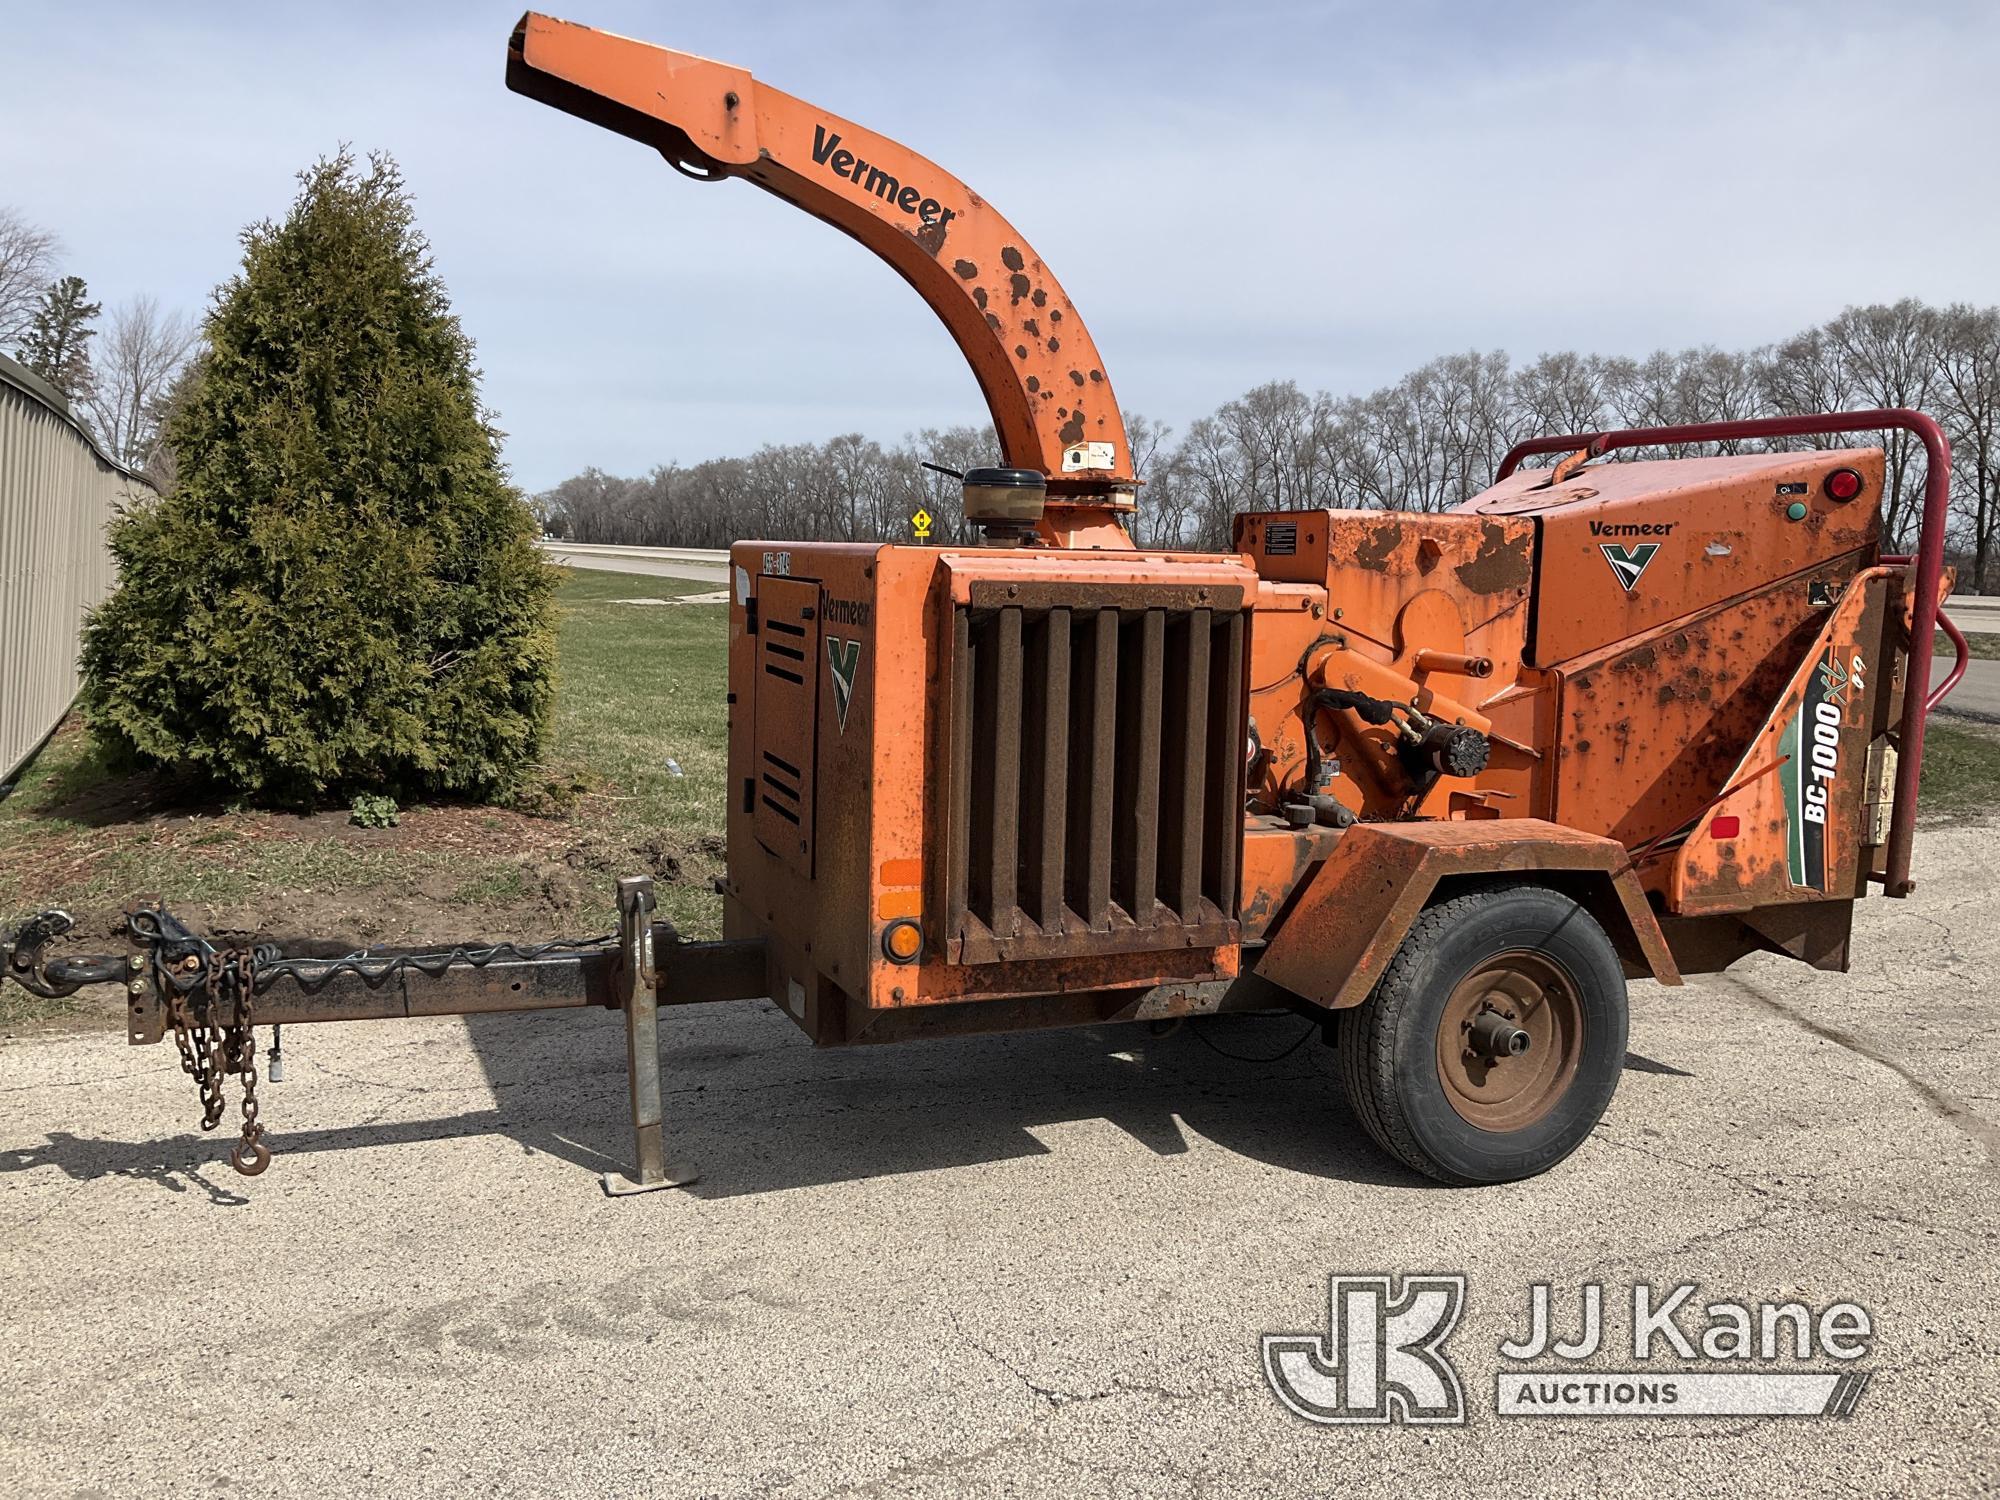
{"x": 1008, "y": 479}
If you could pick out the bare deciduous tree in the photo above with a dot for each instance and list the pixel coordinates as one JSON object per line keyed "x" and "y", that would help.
{"x": 1883, "y": 355}
{"x": 1563, "y": 392}
{"x": 1428, "y": 442}
{"x": 1968, "y": 380}
{"x": 1165, "y": 511}
{"x": 135, "y": 363}
{"x": 28, "y": 256}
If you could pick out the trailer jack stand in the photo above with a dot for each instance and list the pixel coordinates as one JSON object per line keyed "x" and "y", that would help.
{"x": 640, "y": 980}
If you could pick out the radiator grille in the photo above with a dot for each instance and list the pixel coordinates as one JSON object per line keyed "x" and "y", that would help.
{"x": 1096, "y": 763}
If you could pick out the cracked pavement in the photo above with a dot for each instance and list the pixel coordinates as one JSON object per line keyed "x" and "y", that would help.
{"x": 1036, "y": 1265}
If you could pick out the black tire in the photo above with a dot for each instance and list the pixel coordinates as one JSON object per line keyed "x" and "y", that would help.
{"x": 1444, "y": 1110}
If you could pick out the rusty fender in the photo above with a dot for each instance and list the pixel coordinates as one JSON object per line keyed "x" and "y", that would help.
{"x": 1347, "y": 924}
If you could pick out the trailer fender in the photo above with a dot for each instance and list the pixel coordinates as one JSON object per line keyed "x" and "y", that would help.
{"x": 1357, "y": 907}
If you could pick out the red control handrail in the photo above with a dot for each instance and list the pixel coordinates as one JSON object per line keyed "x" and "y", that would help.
{"x": 1951, "y": 633}
{"x": 1917, "y": 697}
{"x": 1957, "y": 638}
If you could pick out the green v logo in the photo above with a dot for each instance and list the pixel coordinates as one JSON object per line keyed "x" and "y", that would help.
{"x": 1628, "y": 564}
{"x": 842, "y": 657}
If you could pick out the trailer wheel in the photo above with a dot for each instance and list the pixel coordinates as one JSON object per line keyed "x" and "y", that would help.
{"x": 1494, "y": 1041}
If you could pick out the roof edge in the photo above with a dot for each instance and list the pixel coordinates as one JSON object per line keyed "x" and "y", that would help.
{"x": 38, "y": 390}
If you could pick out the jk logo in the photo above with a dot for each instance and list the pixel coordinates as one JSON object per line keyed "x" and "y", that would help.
{"x": 1382, "y": 1358}
{"x": 1628, "y": 562}
{"x": 842, "y": 657}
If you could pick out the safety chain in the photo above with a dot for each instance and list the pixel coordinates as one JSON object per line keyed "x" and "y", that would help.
{"x": 211, "y": 995}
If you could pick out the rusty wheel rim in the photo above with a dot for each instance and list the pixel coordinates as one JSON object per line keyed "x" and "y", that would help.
{"x": 1516, "y": 991}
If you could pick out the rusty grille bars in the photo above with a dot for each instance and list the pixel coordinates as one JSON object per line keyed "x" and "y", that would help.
{"x": 1095, "y": 752}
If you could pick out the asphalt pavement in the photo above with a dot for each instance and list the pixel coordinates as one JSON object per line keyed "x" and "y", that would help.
{"x": 1037, "y": 1265}
{"x": 1977, "y": 696}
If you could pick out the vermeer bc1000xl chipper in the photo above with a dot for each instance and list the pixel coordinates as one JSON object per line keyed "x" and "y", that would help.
{"x": 1444, "y": 782}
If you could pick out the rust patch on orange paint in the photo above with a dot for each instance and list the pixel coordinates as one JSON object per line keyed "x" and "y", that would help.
{"x": 1374, "y": 552}
{"x": 1501, "y": 563}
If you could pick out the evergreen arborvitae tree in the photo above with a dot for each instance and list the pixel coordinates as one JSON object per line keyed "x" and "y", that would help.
{"x": 57, "y": 343}
{"x": 341, "y": 592}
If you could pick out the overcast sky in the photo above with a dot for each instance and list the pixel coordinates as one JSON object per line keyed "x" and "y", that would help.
{"x": 1231, "y": 193}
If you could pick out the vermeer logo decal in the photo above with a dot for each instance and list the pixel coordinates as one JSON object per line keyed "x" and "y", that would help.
{"x": 1627, "y": 563}
{"x": 842, "y": 657}
{"x": 829, "y": 153}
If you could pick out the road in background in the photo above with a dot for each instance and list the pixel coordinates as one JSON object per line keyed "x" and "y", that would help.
{"x": 1976, "y": 614}
{"x": 653, "y": 562}
{"x": 1977, "y": 696}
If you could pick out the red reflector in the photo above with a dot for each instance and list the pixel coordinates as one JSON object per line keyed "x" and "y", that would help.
{"x": 1726, "y": 827}
{"x": 1843, "y": 484}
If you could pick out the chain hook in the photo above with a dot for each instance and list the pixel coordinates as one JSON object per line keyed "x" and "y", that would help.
{"x": 250, "y": 1156}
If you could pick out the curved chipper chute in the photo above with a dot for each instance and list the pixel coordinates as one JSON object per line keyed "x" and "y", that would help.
{"x": 1036, "y": 365}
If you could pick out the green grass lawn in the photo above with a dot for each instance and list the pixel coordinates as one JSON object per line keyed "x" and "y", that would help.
{"x": 1961, "y": 770}
{"x": 1961, "y": 760}
{"x": 1980, "y": 646}
{"x": 641, "y": 685}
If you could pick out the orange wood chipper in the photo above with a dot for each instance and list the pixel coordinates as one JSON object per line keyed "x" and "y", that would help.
{"x": 1444, "y": 783}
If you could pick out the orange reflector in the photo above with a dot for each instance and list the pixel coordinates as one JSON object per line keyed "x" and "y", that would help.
{"x": 902, "y": 872}
{"x": 899, "y": 904}
{"x": 1726, "y": 827}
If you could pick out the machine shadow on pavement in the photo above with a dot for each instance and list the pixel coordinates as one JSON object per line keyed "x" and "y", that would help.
{"x": 760, "y": 1112}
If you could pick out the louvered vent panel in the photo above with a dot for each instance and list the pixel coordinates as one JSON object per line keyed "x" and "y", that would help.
{"x": 781, "y": 790}
{"x": 1096, "y": 768}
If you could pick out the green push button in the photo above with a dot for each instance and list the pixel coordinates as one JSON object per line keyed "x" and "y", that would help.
{"x": 1796, "y": 511}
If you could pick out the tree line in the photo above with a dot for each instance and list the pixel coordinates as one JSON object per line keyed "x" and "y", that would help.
{"x": 1424, "y": 443}
{"x": 121, "y": 379}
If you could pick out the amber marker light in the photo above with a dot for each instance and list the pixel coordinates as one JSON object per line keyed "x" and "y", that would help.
{"x": 902, "y": 941}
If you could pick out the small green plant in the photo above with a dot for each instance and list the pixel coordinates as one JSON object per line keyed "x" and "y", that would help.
{"x": 551, "y": 796}
{"x": 372, "y": 810}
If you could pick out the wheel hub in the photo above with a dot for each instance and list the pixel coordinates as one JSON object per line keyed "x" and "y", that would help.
{"x": 1509, "y": 1041}
{"x": 1493, "y": 1035}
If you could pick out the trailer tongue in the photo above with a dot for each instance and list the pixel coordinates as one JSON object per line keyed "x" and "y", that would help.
{"x": 1442, "y": 783}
